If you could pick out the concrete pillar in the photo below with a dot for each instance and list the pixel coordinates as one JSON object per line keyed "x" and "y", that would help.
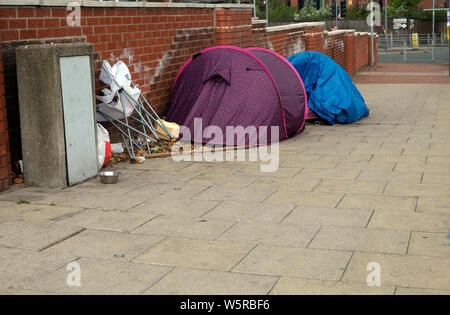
{"x": 4, "y": 139}
{"x": 42, "y": 113}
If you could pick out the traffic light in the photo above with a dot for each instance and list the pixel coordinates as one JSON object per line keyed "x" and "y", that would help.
{"x": 343, "y": 8}
{"x": 318, "y": 4}
{"x": 334, "y": 9}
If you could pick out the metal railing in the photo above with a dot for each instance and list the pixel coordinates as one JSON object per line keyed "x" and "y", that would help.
{"x": 423, "y": 40}
{"x": 418, "y": 48}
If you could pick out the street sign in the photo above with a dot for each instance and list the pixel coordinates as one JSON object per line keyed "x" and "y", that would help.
{"x": 400, "y": 24}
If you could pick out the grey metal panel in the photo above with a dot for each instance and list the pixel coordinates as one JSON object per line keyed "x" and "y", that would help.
{"x": 79, "y": 121}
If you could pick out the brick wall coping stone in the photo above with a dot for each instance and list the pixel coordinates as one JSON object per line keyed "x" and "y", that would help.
{"x": 114, "y": 4}
{"x": 338, "y": 32}
{"x": 257, "y": 21}
{"x": 287, "y": 27}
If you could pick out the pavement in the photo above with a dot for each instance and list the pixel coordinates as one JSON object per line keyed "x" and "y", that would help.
{"x": 397, "y": 72}
{"x": 353, "y": 209}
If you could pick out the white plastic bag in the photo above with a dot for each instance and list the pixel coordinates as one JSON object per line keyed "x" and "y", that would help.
{"x": 104, "y": 146}
{"x": 117, "y": 77}
{"x": 117, "y": 148}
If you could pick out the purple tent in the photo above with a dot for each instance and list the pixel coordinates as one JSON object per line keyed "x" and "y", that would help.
{"x": 227, "y": 86}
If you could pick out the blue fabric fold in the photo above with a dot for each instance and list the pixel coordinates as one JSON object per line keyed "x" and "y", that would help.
{"x": 331, "y": 92}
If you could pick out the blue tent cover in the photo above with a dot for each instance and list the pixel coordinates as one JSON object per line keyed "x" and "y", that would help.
{"x": 332, "y": 95}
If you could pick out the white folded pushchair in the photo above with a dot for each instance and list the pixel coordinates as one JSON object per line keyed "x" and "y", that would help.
{"x": 123, "y": 103}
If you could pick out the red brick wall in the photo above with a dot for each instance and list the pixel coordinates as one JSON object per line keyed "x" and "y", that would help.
{"x": 428, "y": 4}
{"x": 4, "y": 145}
{"x": 315, "y": 41}
{"x": 362, "y": 51}
{"x": 155, "y": 42}
{"x": 350, "y": 52}
{"x": 149, "y": 40}
{"x": 234, "y": 27}
{"x": 334, "y": 47}
{"x": 260, "y": 37}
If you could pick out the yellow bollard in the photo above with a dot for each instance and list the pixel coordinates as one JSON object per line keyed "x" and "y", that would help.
{"x": 415, "y": 39}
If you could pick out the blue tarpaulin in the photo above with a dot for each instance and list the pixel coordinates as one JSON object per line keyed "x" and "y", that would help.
{"x": 331, "y": 92}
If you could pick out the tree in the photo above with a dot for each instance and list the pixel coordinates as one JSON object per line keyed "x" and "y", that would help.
{"x": 405, "y": 8}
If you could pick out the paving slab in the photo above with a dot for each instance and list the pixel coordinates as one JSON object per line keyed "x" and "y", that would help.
{"x": 142, "y": 179}
{"x": 330, "y": 216}
{"x": 270, "y": 233}
{"x": 432, "y": 159}
{"x": 20, "y": 193}
{"x": 437, "y": 177}
{"x": 223, "y": 179}
{"x": 191, "y": 253}
{"x": 430, "y": 244}
{"x": 163, "y": 164}
{"x": 212, "y": 168}
{"x": 347, "y": 186}
{"x": 398, "y": 158}
{"x": 11, "y": 211}
{"x": 327, "y": 173}
{"x": 229, "y": 193}
{"x": 412, "y": 190}
{"x": 111, "y": 220}
{"x": 177, "y": 226}
{"x": 417, "y": 291}
{"x": 294, "y": 184}
{"x": 400, "y": 270}
{"x": 19, "y": 267}
{"x": 370, "y": 165}
{"x": 392, "y": 150}
{"x": 97, "y": 279}
{"x": 182, "y": 281}
{"x": 309, "y": 160}
{"x": 295, "y": 262}
{"x": 393, "y": 138}
{"x": 312, "y": 199}
{"x": 421, "y": 166}
{"x": 410, "y": 221}
{"x": 442, "y": 149}
{"x": 84, "y": 198}
{"x": 326, "y": 148}
{"x": 296, "y": 286}
{"x": 386, "y": 176}
{"x": 34, "y": 236}
{"x": 15, "y": 292}
{"x": 361, "y": 239}
{"x": 281, "y": 172}
{"x": 181, "y": 206}
{"x": 106, "y": 245}
{"x": 438, "y": 205}
{"x": 380, "y": 203}
{"x": 251, "y": 211}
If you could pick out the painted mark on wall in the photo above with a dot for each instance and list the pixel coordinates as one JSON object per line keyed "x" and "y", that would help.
{"x": 326, "y": 43}
{"x": 340, "y": 44}
{"x": 294, "y": 45}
